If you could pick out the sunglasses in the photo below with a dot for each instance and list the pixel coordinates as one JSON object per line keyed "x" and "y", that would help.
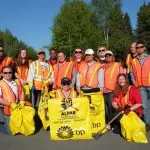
{"x": 78, "y": 52}
{"x": 108, "y": 55}
{"x": 139, "y": 47}
{"x": 7, "y": 72}
{"x": 88, "y": 55}
{"x": 102, "y": 50}
{"x": 64, "y": 84}
{"x": 41, "y": 53}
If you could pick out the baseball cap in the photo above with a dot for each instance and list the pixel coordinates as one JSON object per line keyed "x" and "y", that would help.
{"x": 40, "y": 50}
{"x": 109, "y": 52}
{"x": 89, "y": 51}
{"x": 65, "y": 81}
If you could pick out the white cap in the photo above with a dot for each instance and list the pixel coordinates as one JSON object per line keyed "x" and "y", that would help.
{"x": 41, "y": 50}
{"x": 89, "y": 51}
{"x": 109, "y": 52}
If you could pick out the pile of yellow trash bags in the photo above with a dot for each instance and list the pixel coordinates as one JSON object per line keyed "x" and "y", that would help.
{"x": 81, "y": 117}
{"x": 22, "y": 120}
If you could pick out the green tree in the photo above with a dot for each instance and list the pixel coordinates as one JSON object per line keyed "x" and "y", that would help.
{"x": 12, "y": 45}
{"x": 143, "y": 24}
{"x": 73, "y": 26}
{"x": 120, "y": 31}
{"x": 102, "y": 9}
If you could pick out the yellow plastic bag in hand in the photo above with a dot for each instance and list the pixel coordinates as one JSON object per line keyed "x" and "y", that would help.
{"x": 15, "y": 121}
{"x": 26, "y": 89}
{"x": 133, "y": 128}
{"x": 43, "y": 108}
{"x": 27, "y": 126}
{"x": 69, "y": 119}
{"x": 22, "y": 121}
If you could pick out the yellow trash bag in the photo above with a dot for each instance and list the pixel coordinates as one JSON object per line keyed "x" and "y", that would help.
{"x": 133, "y": 128}
{"x": 69, "y": 119}
{"x": 97, "y": 111}
{"x": 43, "y": 108}
{"x": 26, "y": 90}
{"x": 22, "y": 120}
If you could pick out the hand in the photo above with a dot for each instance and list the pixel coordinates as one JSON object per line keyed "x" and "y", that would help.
{"x": 21, "y": 104}
{"x": 127, "y": 110}
{"x": 120, "y": 109}
{"x": 13, "y": 106}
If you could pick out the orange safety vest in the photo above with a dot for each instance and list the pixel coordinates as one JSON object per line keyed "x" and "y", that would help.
{"x": 128, "y": 62}
{"x": 110, "y": 75}
{"x": 65, "y": 70}
{"x": 39, "y": 75}
{"x": 22, "y": 71}
{"x": 141, "y": 72}
{"x": 122, "y": 101}
{"x": 11, "y": 96}
{"x": 6, "y": 62}
{"x": 89, "y": 74}
{"x": 60, "y": 95}
{"x": 77, "y": 65}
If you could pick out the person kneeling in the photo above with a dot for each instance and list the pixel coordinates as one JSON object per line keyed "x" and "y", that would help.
{"x": 126, "y": 98}
{"x": 10, "y": 93}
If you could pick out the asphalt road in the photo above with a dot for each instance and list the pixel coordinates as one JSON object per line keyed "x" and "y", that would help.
{"x": 41, "y": 141}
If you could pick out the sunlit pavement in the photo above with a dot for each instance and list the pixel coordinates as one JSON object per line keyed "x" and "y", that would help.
{"x": 41, "y": 141}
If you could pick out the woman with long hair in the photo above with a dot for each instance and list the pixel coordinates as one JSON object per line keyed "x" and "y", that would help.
{"x": 126, "y": 97}
{"x": 22, "y": 66}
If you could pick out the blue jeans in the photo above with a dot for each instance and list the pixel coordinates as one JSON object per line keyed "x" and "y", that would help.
{"x": 145, "y": 94}
{"x": 4, "y": 123}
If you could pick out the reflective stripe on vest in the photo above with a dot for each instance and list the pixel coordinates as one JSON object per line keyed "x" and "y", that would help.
{"x": 61, "y": 95}
{"x": 124, "y": 101}
{"x": 141, "y": 72}
{"x": 9, "y": 97}
{"x": 110, "y": 76}
{"x": 40, "y": 75}
{"x": 89, "y": 75}
{"x": 128, "y": 62}
{"x": 65, "y": 70}
{"x": 21, "y": 73}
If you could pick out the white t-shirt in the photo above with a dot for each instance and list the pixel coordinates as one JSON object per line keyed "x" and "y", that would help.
{"x": 13, "y": 86}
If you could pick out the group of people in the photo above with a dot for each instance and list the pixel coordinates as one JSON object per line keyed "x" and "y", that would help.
{"x": 124, "y": 89}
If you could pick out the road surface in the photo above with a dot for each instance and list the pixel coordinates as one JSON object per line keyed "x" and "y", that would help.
{"x": 41, "y": 141}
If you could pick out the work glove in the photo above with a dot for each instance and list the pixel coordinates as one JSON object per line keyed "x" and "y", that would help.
{"x": 21, "y": 104}
{"x": 13, "y": 106}
{"x": 127, "y": 110}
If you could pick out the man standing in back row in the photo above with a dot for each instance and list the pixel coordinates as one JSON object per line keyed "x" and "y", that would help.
{"x": 140, "y": 73}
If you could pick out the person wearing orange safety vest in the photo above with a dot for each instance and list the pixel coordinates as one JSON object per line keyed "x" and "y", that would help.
{"x": 5, "y": 61}
{"x": 40, "y": 74}
{"x": 62, "y": 69}
{"x": 22, "y": 66}
{"x": 140, "y": 73}
{"x": 10, "y": 93}
{"x": 111, "y": 71}
{"x": 65, "y": 92}
{"x": 130, "y": 56}
{"x": 90, "y": 77}
{"x": 126, "y": 98}
{"x": 78, "y": 58}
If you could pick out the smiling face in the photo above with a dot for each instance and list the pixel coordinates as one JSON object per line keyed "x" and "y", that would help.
{"x": 109, "y": 58}
{"x": 140, "y": 48}
{"x": 102, "y": 51}
{"x": 78, "y": 53}
{"x": 61, "y": 57}
{"x": 122, "y": 81}
{"x": 7, "y": 74}
{"x": 23, "y": 54}
{"x": 133, "y": 48}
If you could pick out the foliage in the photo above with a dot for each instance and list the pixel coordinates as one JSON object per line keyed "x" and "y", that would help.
{"x": 143, "y": 24}
{"x": 12, "y": 45}
{"x": 73, "y": 26}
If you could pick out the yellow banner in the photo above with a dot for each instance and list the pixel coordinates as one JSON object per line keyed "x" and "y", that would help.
{"x": 69, "y": 119}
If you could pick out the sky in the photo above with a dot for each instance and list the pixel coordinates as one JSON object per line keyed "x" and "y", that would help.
{"x": 30, "y": 20}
